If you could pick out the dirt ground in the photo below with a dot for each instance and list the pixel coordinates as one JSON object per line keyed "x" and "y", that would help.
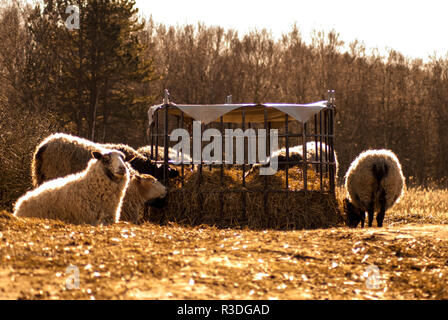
{"x": 126, "y": 261}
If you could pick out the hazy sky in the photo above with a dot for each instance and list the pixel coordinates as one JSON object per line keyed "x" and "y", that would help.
{"x": 415, "y": 28}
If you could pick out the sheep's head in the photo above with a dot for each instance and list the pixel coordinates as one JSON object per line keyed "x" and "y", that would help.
{"x": 353, "y": 214}
{"x": 147, "y": 166}
{"x": 151, "y": 190}
{"x": 160, "y": 168}
{"x": 113, "y": 164}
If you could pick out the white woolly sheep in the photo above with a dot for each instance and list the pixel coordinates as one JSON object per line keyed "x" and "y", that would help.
{"x": 93, "y": 196}
{"x": 172, "y": 154}
{"x": 374, "y": 183}
{"x": 71, "y": 153}
{"x": 61, "y": 154}
{"x": 143, "y": 190}
{"x": 313, "y": 152}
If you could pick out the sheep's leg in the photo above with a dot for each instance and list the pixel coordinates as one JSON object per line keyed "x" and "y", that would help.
{"x": 380, "y": 216}
{"x": 363, "y": 218}
{"x": 371, "y": 213}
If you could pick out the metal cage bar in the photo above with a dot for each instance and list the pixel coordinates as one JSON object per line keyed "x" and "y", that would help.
{"x": 287, "y": 152}
{"x": 305, "y": 155}
{"x": 166, "y": 147}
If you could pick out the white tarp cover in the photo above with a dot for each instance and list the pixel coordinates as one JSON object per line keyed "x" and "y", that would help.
{"x": 252, "y": 112}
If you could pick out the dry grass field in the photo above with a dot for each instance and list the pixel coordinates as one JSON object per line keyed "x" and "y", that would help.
{"x": 418, "y": 205}
{"x": 126, "y": 261}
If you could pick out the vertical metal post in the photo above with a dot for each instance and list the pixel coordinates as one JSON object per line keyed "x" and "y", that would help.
{"x": 152, "y": 138}
{"x": 156, "y": 151}
{"x": 201, "y": 198}
{"x": 287, "y": 151}
{"x": 243, "y": 127}
{"x": 320, "y": 152}
{"x": 304, "y": 151}
{"x": 222, "y": 146}
{"x": 331, "y": 140}
{"x": 316, "y": 151}
{"x": 326, "y": 143}
{"x": 165, "y": 147}
{"x": 182, "y": 170}
{"x": 207, "y": 126}
{"x": 200, "y": 163}
{"x": 268, "y": 137}
{"x": 221, "y": 196}
{"x": 249, "y": 126}
{"x": 243, "y": 194}
{"x": 221, "y": 200}
{"x": 166, "y": 96}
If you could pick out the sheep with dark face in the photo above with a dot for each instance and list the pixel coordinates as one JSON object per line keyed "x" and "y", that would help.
{"x": 61, "y": 154}
{"x": 142, "y": 162}
{"x": 92, "y": 196}
{"x": 374, "y": 183}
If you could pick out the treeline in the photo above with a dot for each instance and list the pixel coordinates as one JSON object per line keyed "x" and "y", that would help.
{"x": 382, "y": 102}
{"x": 99, "y": 80}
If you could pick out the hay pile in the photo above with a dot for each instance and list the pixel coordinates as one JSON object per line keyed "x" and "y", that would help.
{"x": 205, "y": 200}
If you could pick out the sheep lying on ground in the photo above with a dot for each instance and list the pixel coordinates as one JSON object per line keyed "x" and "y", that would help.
{"x": 62, "y": 154}
{"x": 313, "y": 152}
{"x": 172, "y": 154}
{"x": 140, "y": 160}
{"x": 374, "y": 182}
{"x": 143, "y": 190}
{"x": 93, "y": 196}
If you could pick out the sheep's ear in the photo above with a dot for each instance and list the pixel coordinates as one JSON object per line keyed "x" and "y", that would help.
{"x": 97, "y": 155}
{"x": 138, "y": 178}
